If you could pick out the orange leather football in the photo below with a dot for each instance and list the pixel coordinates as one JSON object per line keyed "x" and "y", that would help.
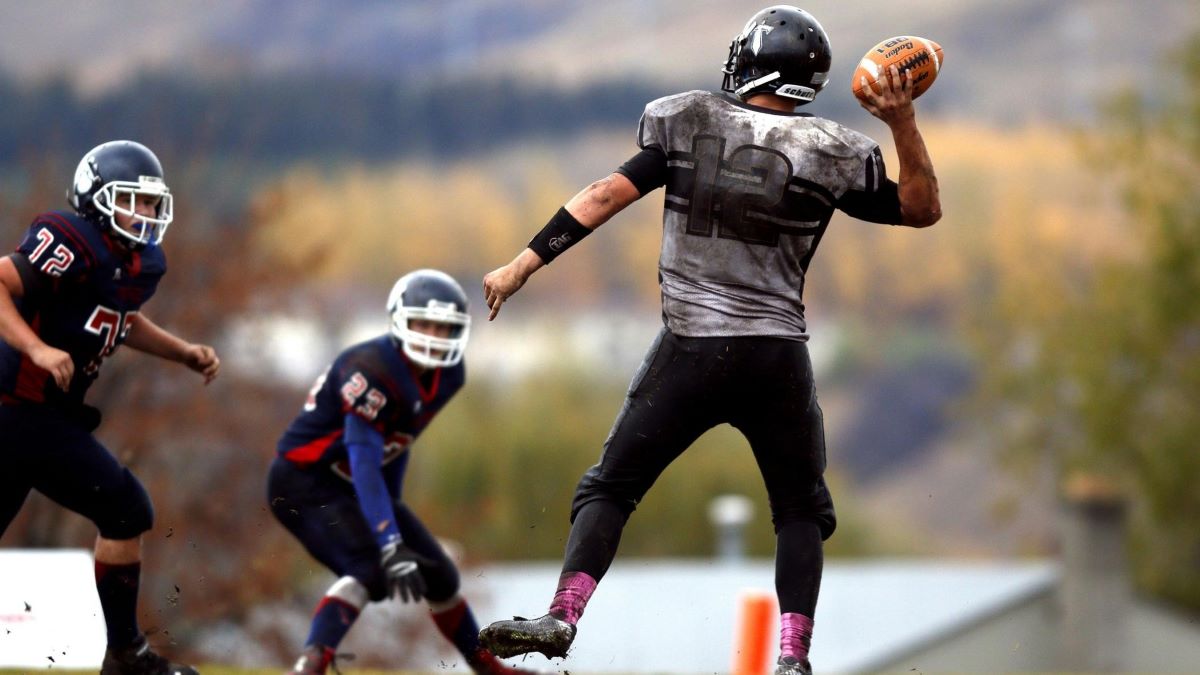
{"x": 922, "y": 57}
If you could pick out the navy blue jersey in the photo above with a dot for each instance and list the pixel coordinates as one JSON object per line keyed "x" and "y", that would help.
{"x": 82, "y": 293}
{"x": 376, "y": 382}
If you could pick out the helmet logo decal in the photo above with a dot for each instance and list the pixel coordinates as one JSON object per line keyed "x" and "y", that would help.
{"x": 438, "y": 309}
{"x": 756, "y": 36}
{"x": 85, "y": 175}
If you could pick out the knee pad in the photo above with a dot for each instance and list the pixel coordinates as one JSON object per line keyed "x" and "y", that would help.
{"x": 591, "y": 489}
{"x": 350, "y": 591}
{"x": 130, "y": 512}
{"x": 823, "y": 516}
{"x": 441, "y": 582}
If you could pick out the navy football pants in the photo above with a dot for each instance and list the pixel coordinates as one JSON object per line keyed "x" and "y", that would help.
{"x": 42, "y": 449}
{"x": 322, "y": 511}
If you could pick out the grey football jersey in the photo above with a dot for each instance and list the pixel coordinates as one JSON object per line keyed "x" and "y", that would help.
{"x": 749, "y": 195}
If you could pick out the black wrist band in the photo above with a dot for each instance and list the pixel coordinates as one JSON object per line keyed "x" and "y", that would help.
{"x": 560, "y": 234}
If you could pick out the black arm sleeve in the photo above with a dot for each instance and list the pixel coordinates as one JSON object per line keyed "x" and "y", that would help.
{"x": 880, "y": 206}
{"x": 647, "y": 170}
{"x": 31, "y": 281}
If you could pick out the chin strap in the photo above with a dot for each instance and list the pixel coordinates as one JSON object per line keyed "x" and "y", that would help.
{"x": 752, "y": 84}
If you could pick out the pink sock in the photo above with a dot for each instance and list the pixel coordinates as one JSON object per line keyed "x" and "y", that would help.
{"x": 574, "y": 591}
{"x": 795, "y": 635}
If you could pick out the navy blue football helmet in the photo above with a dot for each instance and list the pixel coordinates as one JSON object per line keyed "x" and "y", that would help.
{"x": 122, "y": 169}
{"x": 782, "y": 50}
{"x": 430, "y": 295}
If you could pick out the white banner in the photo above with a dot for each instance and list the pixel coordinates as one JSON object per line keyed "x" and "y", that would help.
{"x": 50, "y": 615}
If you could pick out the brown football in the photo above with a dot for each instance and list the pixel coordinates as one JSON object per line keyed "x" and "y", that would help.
{"x": 922, "y": 57}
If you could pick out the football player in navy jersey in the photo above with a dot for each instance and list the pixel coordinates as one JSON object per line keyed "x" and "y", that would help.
{"x": 69, "y": 296}
{"x": 751, "y": 185}
{"x": 336, "y": 482}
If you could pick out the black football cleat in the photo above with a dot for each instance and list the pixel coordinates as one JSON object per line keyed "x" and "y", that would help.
{"x": 790, "y": 665}
{"x": 547, "y": 635}
{"x": 139, "y": 659}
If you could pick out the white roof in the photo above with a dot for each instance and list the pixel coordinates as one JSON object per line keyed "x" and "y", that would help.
{"x": 681, "y": 616}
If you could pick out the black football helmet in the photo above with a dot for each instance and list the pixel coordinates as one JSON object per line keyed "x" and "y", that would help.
{"x": 120, "y": 168}
{"x": 430, "y": 295}
{"x": 782, "y": 50}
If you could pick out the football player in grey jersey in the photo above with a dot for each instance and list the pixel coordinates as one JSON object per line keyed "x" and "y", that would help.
{"x": 751, "y": 185}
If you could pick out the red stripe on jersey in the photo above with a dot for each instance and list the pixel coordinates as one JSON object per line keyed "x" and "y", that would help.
{"x": 333, "y": 599}
{"x": 65, "y": 226}
{"x": 426, "y": 396}
{"x": 31, "y": 380}
{"x": 135, "y": 265}
{"x": 312, "y": 450}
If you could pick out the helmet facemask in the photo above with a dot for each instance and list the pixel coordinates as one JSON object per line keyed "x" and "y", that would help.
{"x": 426, "y": 350}
{"x": 430, "y": 296}
{"x": 143, "y": 230}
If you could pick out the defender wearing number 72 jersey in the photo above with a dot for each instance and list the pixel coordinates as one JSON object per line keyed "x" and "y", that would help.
{"x": 70, "y": 295}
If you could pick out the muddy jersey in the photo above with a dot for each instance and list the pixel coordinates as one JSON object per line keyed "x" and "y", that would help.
{"x": 374, "y": 381}
{"x": 82, "y": 293}
{"x": 749, "y": 193}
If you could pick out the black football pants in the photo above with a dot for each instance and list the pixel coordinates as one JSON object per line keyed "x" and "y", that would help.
{"x": 685, "y": 386}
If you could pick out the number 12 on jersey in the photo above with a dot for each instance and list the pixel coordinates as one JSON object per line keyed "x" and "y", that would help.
{"x": 741, "y": 197}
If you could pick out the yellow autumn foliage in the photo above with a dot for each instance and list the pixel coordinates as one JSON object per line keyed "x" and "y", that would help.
{"x": 1018, "y": 204}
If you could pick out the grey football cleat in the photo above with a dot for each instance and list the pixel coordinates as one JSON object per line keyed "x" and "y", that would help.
{"x": 547, "y": 635}
{"x": 315, "y": 660}
{"x": 790, "y": 665}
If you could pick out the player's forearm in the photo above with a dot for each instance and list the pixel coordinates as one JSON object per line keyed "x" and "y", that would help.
{"x": 920, "y": 203}
{"x": 526, "y": 263}
{"x": 578, "y": 218}
{"x": 364, "y": 445}
{"x": 597, "y": 203}
{"x": 147, "y": 336}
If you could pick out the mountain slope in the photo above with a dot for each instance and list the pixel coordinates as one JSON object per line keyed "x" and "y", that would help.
{"x": 1005, "y": 61}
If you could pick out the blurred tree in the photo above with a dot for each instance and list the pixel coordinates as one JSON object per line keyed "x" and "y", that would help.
{"x": 1097, "y": 366}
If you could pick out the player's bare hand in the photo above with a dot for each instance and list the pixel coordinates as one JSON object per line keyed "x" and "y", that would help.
{"x": 894, "y": 102}
{"x": 501, "y": 283}
{"x": 56, "y": 362}
{"x": 202, "y": 359}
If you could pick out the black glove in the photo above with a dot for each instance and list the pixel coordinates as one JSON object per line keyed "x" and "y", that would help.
{"x": 400, "y": 566}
